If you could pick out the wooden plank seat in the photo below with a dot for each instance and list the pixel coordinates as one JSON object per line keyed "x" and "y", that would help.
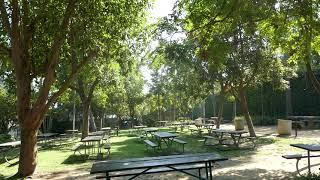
{"x": 180, "y": 142}
{"x": 298, "y": 157}
{"x": 77, "y": 148}
{"x": 150, "y": 144}
{"x": 156, "y": 170}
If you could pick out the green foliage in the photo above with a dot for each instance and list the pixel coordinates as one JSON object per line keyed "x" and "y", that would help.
{"x": 5, "y": 138}
{"x": 8, "y": 117}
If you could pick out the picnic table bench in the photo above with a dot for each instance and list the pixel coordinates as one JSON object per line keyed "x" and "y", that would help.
{"x": 181, "y": 142}
{"x": 148, "y": 165}
{"x": 298, "y": 157}
{"x": 150, "y": 144}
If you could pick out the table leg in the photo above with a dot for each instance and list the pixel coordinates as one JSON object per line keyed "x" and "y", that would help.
{"x": 206, "y": 164}
{"x": 210, "y": 170}
{"x": 309, "y": 170}
{"x": 296, "y": 128}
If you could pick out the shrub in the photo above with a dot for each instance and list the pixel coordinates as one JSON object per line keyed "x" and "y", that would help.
{"x": 5, "y": 138}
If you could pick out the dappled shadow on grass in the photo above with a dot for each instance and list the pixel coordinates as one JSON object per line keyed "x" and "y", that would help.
{"x": 75, "y": 173}
{"x": 251, "y": 174}
{"x": 76, "y": 159}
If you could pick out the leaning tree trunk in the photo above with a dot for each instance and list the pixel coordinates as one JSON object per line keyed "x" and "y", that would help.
{"x": 312, "y": 78}
{"x": 245, "y": 111}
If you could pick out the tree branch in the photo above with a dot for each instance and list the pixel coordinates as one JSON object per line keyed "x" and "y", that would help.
{"x": 54, "y": 55}
{"x": 214, "y": 20}
{"x": 15, "y": 20}
{"x": 5, "y": 18}
{"x": 65, "y": 84}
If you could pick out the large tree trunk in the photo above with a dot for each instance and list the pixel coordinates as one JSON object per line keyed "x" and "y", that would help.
{"x": 85, "y": 121}
{"x": 28, "y": 152}
{"x": 220, "y": 111}
{"x": 245, "y": 111}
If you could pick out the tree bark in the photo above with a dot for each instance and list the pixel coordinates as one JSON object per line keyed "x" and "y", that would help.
{"x": 220, "y": 111}
{"x": 28, "y": 152}
{"x": 312, "y": 78}
{"x": 92, "y": 120}
{"x": 85, "y": 121}
{"x": 245, "y": 111}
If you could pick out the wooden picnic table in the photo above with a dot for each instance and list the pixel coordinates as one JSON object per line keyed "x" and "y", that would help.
{"x": 71, "y": 131}
{"x": 158, "y": 164}
{"x": 165, "y": 137}
{"x": 162, "y": 123}
{"x": 150, "y": 131}
{"x": 299, "y": 119}
{"x": 97, "y": 133}
{"x": 106, "y": 128}
{"x": 309, "y": 148}
{"x": 8, "y": 146}
{"x": 47, "y": 136}
{"x": 235, "y": 135}
{"x": 92, "y": 139}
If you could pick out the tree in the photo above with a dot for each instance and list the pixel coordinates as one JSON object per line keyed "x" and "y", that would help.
{"x": 293, "y": 30}
{"x": 230, "y": 46}
{"x": 33, "y": 37}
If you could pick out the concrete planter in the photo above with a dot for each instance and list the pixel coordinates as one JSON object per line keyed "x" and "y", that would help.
{"x": 238, "y": 124}
{"x": 284, "y": 127}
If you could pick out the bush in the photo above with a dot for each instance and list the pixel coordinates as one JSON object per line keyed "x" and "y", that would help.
{"x": 5, "y": 138}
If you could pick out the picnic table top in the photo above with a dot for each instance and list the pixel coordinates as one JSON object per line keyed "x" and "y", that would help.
{"x": 208, "y": 125}
{"x": 97, "y": 133}
{"x": 309, "y": 147}
{"x": 11, "y": 144}
{"x": 45, "y": 135}
{"x": 164, "y": 135}
{"x": 106, "y": 128}
{"x": 139, "y": 127}
{"x": 92, "y": 138}
{"x": 72, "y": 130}
{"x": 303, "y": 117}
{"x": 150, "y": 129}
{"x": 229, "y": 131}
{"x": 150, "y": 162}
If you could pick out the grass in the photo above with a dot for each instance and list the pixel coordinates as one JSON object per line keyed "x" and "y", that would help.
{"x": 59, "y": 156}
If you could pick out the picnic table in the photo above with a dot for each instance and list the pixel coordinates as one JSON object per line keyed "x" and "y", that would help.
{"x": 209, "y": 127}
{"x": 138, "y": 166}
{"x": 97, "y": 133}
{"x": 8, "y": 146}
{"x": 311, "y": 120}
{"x": 235, "y": 135}
{"x": 71, "y": 131}
{"x": 309, "y": 148}
{"x": 165, "y": 137}
{"x": 162, "y": 123}
{"x": 150, "y": 131}
{"x": 47, "y": 136}
{"x": 92, "y": 139}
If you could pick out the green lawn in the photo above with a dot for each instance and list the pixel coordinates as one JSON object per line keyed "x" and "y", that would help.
{"x": 59, "y": 156}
